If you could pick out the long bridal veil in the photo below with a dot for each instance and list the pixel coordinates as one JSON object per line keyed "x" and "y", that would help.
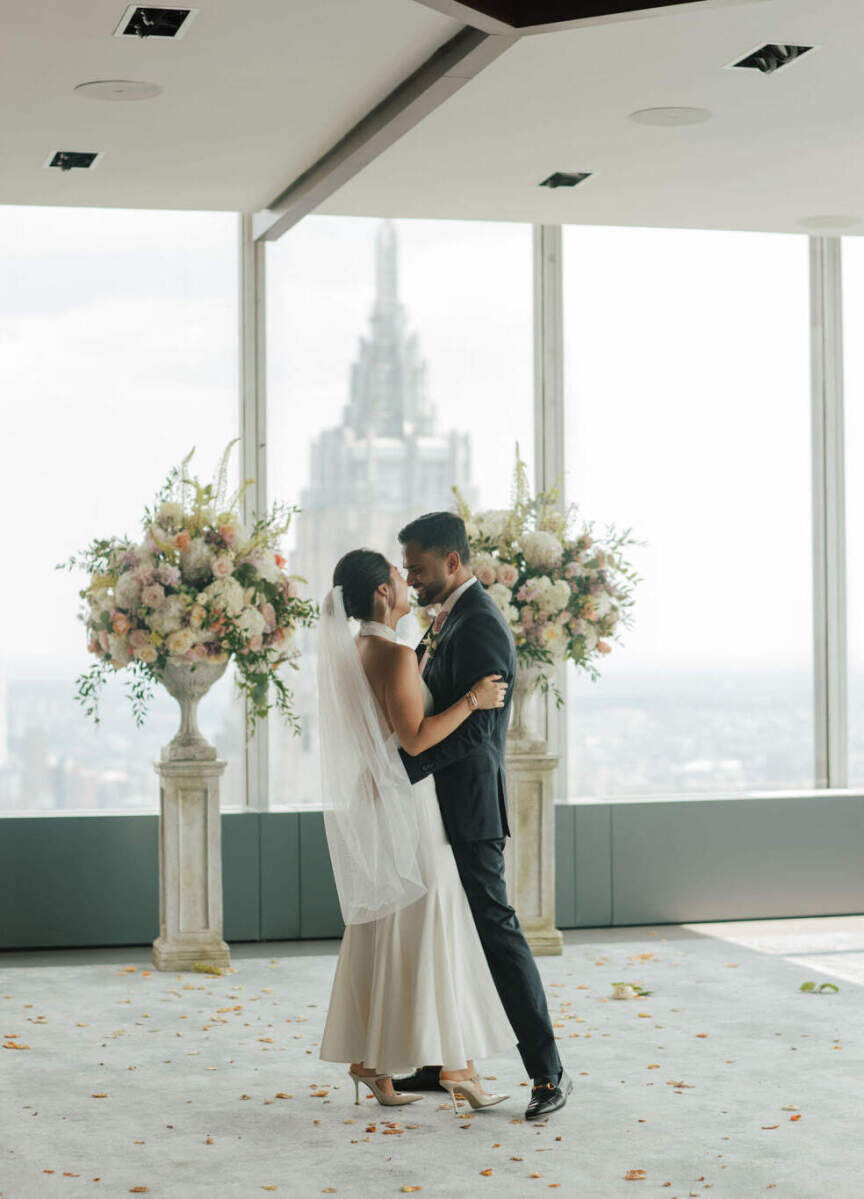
{"x": 369, "y": 817}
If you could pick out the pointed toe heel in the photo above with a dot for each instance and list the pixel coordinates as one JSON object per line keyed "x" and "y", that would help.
{"x": 472, "y": 1091}
{"x": 374, "y": 1083}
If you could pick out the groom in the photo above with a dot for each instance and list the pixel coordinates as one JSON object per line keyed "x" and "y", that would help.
{"x": 469, "y": 639}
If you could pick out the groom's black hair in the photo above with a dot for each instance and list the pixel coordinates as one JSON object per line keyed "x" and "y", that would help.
{"x": 359, "y": 573}
{"x": 443, "y": 532}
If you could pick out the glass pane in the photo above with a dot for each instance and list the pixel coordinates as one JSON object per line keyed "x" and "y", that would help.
{"x": 688, "y": 419}
{"x": 853, "y": 314}
{"x": 399, "y": 364}
{"x": 119, "y": 334}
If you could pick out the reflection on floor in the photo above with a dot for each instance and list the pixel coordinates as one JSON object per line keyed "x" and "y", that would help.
{"x": 725, "y": 1080}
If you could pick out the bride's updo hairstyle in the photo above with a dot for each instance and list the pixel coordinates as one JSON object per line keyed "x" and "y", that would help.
{"x": 359, "y": 573}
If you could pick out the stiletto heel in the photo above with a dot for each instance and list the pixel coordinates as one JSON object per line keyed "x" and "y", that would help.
{"x": 373, "y": 1082}
{"x": 472, "y": 1091}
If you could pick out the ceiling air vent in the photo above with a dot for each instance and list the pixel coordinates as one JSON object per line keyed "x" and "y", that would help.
{"x": 562, "y": 179}
{"x": 68, "y": 160}
{"x": 771, "y": 57}
{"x": 154, "y": 22}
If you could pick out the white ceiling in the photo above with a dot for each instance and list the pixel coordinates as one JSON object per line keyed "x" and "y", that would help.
{"x": 779, "y": 147}
{"x": 253, "y": 94}
{"x": 256, "y": 92}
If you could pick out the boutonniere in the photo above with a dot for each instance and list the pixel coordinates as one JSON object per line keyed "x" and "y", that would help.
{"x": 432, "y": 642}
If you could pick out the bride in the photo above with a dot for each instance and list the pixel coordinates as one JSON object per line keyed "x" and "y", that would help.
{"x": 412, "y": 983}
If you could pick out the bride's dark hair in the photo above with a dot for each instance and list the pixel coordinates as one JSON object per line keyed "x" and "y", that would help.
{"x": 358, "y": 573}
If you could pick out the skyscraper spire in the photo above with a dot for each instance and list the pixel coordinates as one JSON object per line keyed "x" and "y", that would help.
{"x": 386, "y": 265}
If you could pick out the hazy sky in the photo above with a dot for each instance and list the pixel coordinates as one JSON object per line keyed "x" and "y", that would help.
{"x": 687, "y": 396}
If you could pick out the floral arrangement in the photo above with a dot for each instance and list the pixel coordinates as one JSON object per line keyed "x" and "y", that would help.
{"x": 564, "y": 590}
{"x": 199, "y": 587}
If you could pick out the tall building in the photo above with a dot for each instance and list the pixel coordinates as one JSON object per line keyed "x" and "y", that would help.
{"x": 383, "y": 464}
{"x": 386, "y": 461}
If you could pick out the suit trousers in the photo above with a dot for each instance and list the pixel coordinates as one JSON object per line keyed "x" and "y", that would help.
{"x": 511, "y": 963}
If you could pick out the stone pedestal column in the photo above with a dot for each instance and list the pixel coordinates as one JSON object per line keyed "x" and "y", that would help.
{"x": 529, "y": 857}
{"x": 190, "y": 835}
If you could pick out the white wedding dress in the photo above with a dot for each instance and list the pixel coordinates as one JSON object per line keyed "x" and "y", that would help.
{"x": 414, "y": 988}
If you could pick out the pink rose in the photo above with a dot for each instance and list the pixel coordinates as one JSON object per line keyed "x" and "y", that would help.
{"x": 507, "y": 574}
{"x": 486, "y": 575}
{"x": 223, "y": 566}
{"x": 267, "y": 611}
{"x": 255, "y": 643}
{"x": 572, "y": 569}
{"x": 153, "y": 596}
{"x": 138, "y": 637}
{"x": 527, "y": 618}
{"x": 143, "y": 575}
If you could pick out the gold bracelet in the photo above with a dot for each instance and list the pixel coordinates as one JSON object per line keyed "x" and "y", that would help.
{"x": 472, "y": 699}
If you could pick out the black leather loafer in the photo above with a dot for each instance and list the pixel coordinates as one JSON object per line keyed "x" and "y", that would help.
{"x": 547, "y": 1096}
{"x": 424, "y": 1078}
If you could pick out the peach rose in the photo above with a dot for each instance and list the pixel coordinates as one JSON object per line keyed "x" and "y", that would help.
{"x": 182, "y": 540}
{"x": 120, "y": 623}
{"x": 146, "y": 653}
{"x": 228, "y": 534}
{"x": 223, "y": 566}
{"x": 486, "y": 575}
{"x": 604, "y": 647}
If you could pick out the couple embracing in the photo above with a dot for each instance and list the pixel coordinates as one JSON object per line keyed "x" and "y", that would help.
{"x": 433, "y": 966}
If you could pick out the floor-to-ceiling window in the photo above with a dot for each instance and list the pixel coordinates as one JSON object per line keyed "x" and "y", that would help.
{"x": 399, "y": 364}
{"x": 118, "y": 354}
{"x": 687, "y": 418}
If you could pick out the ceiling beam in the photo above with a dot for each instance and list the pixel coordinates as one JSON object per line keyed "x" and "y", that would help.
{"x": 552, "y": 16}
{"x": 443, "y": 74}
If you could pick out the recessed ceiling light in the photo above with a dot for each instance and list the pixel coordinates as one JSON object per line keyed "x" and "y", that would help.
{"x": 670, "y": 116}
{"x": 118, "y": 89}
{"x": 566, "y": 179}
{"x": 833, "y": 222}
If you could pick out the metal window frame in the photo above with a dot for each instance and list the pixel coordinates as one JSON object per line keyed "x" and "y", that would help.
{"x": 549, "y": 447}
{"x": 827, "y": 472}
{"x": 253, "y": 456}
{"x": 830, "y": 664}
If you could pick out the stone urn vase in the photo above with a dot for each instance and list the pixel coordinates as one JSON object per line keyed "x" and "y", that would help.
{"x": 190, "y": 840}
{"x": 188, "y": 683}
{"x": 529, "y": 855}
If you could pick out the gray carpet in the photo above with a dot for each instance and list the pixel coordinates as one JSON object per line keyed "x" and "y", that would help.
{"x": 725, "y": 1081}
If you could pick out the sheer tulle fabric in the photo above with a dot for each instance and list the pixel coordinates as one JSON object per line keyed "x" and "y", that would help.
{"x": 369, "y": 814}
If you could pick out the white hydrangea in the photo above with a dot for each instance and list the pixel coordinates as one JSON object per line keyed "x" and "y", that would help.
{"x": 196, "y": 561}
{"x": 551, "y": 597}
{"x": 265, "y": 561}
{"x": 226, "y": 594}
{"x": 170, "y": 513}
{"x": 169, "y": 616}
{"x": 501, "y": 597}
{"x": 492, "y": 523}
{"x": 128, "y": 591}
{"x": 252, "y": 623}
{"x": 542, "y": 550}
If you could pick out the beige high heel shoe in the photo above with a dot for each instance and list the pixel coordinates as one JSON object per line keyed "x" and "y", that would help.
{"x": 373, "y": 1083}
{"x": 473, "y": 1092}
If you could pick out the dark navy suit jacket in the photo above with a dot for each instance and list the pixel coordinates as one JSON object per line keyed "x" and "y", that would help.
{"x": 475, "y": 640}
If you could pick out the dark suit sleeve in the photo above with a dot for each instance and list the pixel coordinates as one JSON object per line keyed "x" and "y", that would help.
{"x": 482, "y": 647}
